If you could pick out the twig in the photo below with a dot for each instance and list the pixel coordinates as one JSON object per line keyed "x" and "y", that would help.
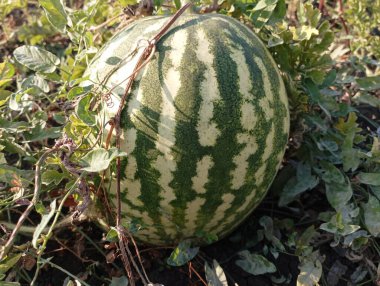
{"x": 191, "y": 268}
{"x": 123, "y": 244}
{"x": 341, "y": 11}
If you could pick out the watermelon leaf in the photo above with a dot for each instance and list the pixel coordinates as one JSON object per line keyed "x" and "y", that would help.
{"x": 119, "y": 281}
{"x": 55, "y": 13}
{"x": 9, "y": 262}
{"x": 371, "y": 215}
{"x": 303, "y": 181}
{"x": 254, "y": 263}
{"x": 369, "y": 83}
{"x": 83, "y": 112}
{"x": 215, "y": 275}
{"x": 99, "y": 159}
{"x": 36, "y": 59}
{"x": 112, "y": 235}
{"x": 370, "y": 178}
{"x": 182, "y": 254}
{"x": 262, "y": 12}
{"x": 52, "y": 176}
{"x": 310, "y": 273}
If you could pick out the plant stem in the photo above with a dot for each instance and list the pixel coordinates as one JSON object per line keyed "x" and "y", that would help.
{"x": 50, "y": 232}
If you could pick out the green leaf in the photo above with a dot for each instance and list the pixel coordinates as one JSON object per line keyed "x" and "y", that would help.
{"x": 304, "y": 241}
{"x": 356, "y": 240}
{"x": 262, "y": 12}
{"x": 83, "y": 112}
{"x": 316, "y": 75}
{"x": 119, "y": 281}
{"x": 366, "y": 98}
{"x": 349, "y": 129}
{"x": 267, "y": 223}
{"x": 44, "y": 222}
{"x": 278, "y": 14}
{"x": 275, "y": 40}
{"x": 369, "y": 83}
{"x": 11, "y": 126}
{"x": 36, "y": 59}
{"x": 15, "y": 101}
{"x": 8, "y": 263}
{"x": 312, "y": 15}
{"x": 371, "y": 215}
{"x": 55, "y": 13}
{"x": 254, "y": 263}
{"x": 182, "y": 254}
{"x": 301, "y": 13}
{"x": 310, "y": 273}
{"x": 331, "y": 174}
{"x": 370, "y": 178}
{"x": 77, "y": 91}
{"x": 339, "y": 194}
{"x": 40, "y": 133}
{"x": 338, "y": 226}
{"x": 52, "y": 176}
{"x": 112, "y": 235}
{"x": 215, "y": 275}
{"x": 37, "y": 82}
{"x": 327, "y": 104}
{"x": 297, "y": 185}
{"x": 99, "y": 159}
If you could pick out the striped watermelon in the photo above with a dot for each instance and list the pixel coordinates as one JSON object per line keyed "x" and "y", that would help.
{"x": 205, "y": 126}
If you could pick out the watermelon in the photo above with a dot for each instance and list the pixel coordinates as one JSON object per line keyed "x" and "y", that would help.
{"x": 205, "y": 126}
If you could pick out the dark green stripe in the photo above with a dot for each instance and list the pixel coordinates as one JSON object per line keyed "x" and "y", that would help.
{"x": 145, "y": 151}
{"x": 227, "y": 118}
{"x": 187, "y": 146}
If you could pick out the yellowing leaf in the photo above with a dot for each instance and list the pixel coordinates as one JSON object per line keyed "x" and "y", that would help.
{"x": 6, "y": 73}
